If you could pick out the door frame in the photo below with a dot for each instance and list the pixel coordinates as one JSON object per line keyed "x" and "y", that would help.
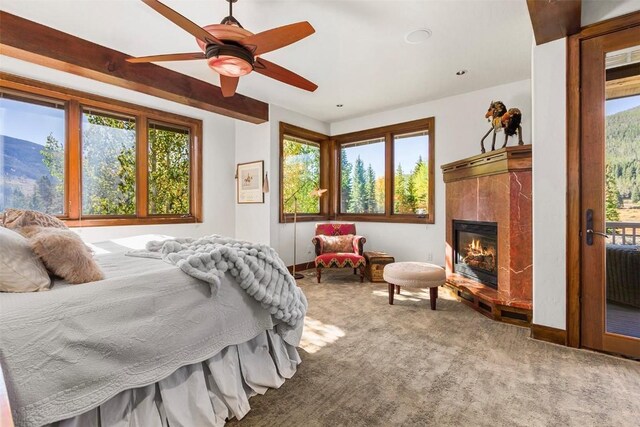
{"x": 574, "y": 212}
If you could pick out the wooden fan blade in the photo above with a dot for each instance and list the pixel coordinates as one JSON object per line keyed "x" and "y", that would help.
{"x": 182, "y": 22}
{"x": 277, "y": 72}
{"x": 169, "y": 57}
{"x": 228, "y": 85}
{"x": 276, "y": 38}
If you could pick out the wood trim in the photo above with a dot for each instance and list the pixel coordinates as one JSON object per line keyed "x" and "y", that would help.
{"x": 288, "y": 218}
{"x": 56, "y": 49}
{"x": 75, "y": 102}
{"x": 196, "y": 174}
{"x": 91, "y": 221}
{"x": 573, "y": 192}
{"x": 73, "y": 169}
{"x": 610, "y": 25}
{"x": 402, "y": 219}
{"x": 142, "y": 166}
{"x": 549, "y": 334}
{"x": 431, "y": 202}
{"x": 508, "y": 159}
{"x": 387, "y": 133}
{"x": 574, "y": 220}
{"x": 302, "y": 133}
{"x": 554, "y": 20}
{"x": 389, "y": 181}
{"x": 380, "y": 132}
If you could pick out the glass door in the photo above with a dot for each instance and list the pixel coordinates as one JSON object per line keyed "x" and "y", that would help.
{"x": 610, "y": 189}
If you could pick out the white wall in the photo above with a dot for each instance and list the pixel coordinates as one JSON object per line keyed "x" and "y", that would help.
{"x": 218, "y": 154}
{"x": 253, "y": 144}
{"x": 549, "y": 183}
{"x": 599, "y": 10}
{"x": 460, "y": 124}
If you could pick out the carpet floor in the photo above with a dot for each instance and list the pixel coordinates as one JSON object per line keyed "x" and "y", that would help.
{"x": 366, "y": 363}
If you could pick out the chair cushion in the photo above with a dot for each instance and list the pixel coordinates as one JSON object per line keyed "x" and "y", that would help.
{"x": 334, "y": 244}
{"x": 414, "y": 274}
{"x": 340, "y": 260}
{"x": 335, "y": 229}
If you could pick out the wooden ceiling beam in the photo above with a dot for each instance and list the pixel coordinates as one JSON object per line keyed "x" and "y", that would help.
{"x": 33, "y": 42}
{"x": 554, "y": 19}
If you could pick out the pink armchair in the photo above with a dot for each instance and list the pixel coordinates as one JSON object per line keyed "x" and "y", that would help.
{"x": 338, "y": 246}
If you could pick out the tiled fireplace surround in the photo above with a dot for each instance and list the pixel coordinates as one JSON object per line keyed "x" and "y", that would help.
{"x": 494, "y": 187}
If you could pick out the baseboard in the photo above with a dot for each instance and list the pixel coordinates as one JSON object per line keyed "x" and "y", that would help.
{"x": 301, "y": 267}
{"x": 549, "y": 334}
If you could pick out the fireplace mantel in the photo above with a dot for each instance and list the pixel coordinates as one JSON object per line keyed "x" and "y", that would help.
{"x": 507, "y": 159}
{"x": 494, "y": 187}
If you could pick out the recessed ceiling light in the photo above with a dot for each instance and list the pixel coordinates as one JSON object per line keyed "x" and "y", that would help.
{"x": 417, "y": 36}
{"x": 339, "y": 105}
{"x": 461, "y": 72}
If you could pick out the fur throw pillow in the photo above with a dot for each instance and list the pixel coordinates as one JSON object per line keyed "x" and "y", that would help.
{"x": 334, "y": 244}
{"x": 63, "y": 253}
{"x": 17, "y": 218}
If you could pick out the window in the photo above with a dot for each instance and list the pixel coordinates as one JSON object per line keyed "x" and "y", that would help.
{"x": 108, "y": 164}
{"x": 32, "y": 138}
{"x": 386, "y": 174}
{"x": 411, "y": 173}
{"x": 362, "y": 168}
{"x": 303, "y": 158}
{"x": 96, "y": 161}
{"x": 301, "y": 174}
{"x": 168, "y": 169}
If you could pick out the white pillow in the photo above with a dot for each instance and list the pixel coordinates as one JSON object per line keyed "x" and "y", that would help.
{"x": 20, "y": 268}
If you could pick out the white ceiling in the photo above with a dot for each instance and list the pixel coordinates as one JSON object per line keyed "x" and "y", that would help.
{"x": 357, "y": 57}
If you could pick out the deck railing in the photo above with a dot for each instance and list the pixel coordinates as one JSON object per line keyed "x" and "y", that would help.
{"x": 624, "y": 233}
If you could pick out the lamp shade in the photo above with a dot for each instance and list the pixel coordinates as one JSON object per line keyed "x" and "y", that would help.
{"x": 318, "y": 192}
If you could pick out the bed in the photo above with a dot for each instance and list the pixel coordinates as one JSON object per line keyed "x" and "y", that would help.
{"x": 147, "y": 346}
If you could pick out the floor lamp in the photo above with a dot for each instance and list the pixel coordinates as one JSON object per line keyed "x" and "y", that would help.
{"x": 318, "y": 192}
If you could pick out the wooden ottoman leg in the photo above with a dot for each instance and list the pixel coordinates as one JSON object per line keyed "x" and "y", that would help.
{"x": 433, "y": 296}
{"x": 318, "y": 273}
{"x": 355, "y": 271}
{"x": 362, "y": 274}
{"x": 392, "y": 288}
{"x": 398, "y": 289}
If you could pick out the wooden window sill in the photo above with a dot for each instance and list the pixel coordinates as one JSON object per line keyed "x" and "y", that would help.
{"x": 288, "y": 218}
{"x": 400, "y": 219}
{"x": 104, "y": 222}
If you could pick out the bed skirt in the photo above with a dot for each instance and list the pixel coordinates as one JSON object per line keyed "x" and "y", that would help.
{"x": 201, "y": 394}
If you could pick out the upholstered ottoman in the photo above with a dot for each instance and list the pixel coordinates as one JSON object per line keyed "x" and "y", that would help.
{"x": 414, "y": 275}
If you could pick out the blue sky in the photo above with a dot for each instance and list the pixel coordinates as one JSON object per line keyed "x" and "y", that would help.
{"x": 30, "y": 121}
{"x": 616, "y": 105}
{"x": 406, "y": 153}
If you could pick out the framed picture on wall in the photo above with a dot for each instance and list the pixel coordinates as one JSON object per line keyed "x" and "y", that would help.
{"x": 249, "y": 182}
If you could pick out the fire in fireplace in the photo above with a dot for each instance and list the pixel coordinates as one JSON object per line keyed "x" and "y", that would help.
{"x": 476, "y": 251}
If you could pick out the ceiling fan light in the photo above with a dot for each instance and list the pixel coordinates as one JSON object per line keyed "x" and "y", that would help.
{"x": 230, "y": 66}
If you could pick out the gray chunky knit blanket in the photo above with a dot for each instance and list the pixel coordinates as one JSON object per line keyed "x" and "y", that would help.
{"x": 257, "y": 268}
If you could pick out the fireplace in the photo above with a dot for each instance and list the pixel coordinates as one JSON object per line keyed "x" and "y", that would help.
{"x": 475, "y": 251}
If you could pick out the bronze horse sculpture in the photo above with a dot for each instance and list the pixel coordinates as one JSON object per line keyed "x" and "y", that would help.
{"x": 501, "y": 118}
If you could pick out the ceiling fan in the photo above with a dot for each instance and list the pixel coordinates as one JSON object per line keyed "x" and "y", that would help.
{"x": 232, "y": 51}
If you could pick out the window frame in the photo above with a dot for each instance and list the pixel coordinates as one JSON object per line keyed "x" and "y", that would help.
{"x": 325, "y": 154}
{"x": 75, "y": 102}
{"x": 387, "y": 133}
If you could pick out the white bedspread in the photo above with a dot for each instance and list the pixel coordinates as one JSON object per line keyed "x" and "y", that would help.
{"x": 66, "y": 351}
